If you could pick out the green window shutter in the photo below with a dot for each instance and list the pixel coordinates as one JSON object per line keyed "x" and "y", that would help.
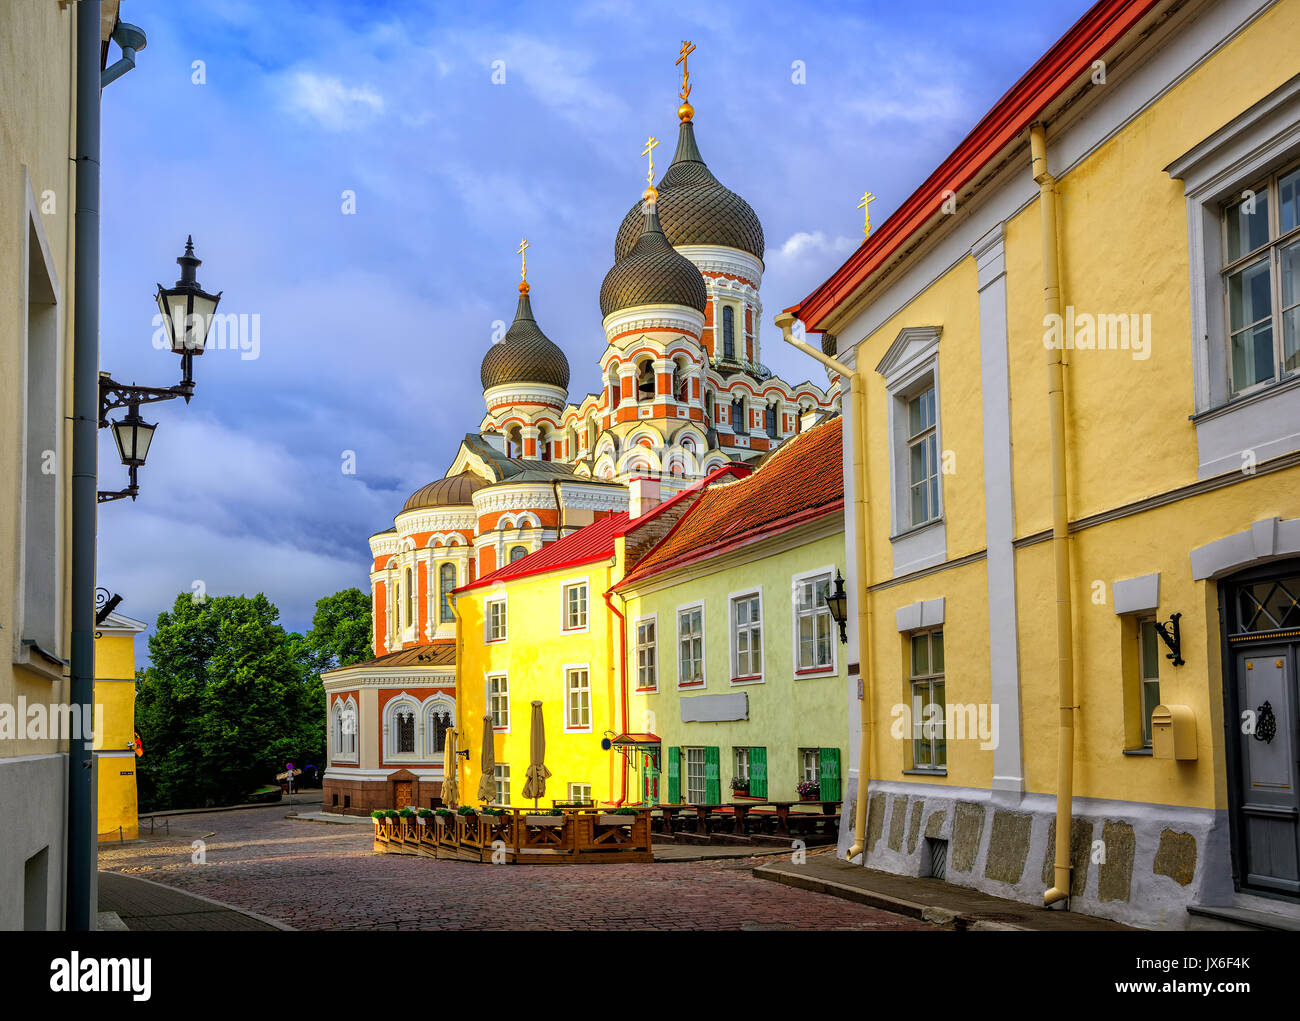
{"x": 674, "y": 776}
{"x": 758, "y": 772}
{"x": 829, "y": 774}
{"x": 712, "y": 776}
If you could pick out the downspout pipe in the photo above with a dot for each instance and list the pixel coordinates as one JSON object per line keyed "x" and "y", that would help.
{"x": 1060, "y": 889}
{"x": 861, "y": 559}
{"x": 130, "y": 39}
{"x": 79, "y": 907}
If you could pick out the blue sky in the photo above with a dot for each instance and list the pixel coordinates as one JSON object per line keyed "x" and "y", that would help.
{"x": 373, "y": 324}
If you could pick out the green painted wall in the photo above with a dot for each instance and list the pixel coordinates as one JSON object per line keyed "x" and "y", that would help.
{"x": 786, "y": 712}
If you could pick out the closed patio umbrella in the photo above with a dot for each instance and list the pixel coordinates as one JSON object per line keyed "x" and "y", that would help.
{"x": 487, "y": 787}
{"x": 450, "y": 771}
{"x": 535, "y": 785}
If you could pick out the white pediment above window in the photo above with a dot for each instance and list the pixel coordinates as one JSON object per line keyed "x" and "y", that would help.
{"x": 914, "y": 348}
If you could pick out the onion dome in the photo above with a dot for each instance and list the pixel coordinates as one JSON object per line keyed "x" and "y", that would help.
{"x": 525, "y": 354}
{"x": 694, "y": 208}
{"x": 452, "y": 491}
{"x": 652, "y": 272}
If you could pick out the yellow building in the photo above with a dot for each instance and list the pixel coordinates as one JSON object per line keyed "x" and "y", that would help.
{"x": 115, "y": 759}
{"x": 1154, "y": 155}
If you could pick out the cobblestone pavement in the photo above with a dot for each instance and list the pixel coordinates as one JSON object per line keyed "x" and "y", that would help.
{"x": 315, "y": 876}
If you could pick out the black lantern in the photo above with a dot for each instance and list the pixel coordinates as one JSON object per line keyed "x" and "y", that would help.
{"x": 837, "y": 602}
{"x": 187, "y": 309}
{"x": 133, "y": 436}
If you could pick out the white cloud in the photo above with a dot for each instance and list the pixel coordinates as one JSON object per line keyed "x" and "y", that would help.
{"x": 802, "y": 246}
{"x": 331, "y": 103}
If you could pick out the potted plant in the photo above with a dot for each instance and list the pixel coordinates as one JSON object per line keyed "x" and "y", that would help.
{"x": 551, "y": 817}
{"x": 740, "y": 786}
{"x": 378, "y": 816}
{"x": 624, "y": 816}
{"x": 809, "y": 790}
{"x": 424, "y": 816}
{"x": 467, "y": 810}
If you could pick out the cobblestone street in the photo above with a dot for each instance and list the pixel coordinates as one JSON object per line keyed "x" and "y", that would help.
{"x": 319, "y": 876}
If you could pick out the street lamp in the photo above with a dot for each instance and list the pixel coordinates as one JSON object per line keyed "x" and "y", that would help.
{"x": 837, "y": 603}
{"x": 187, "y": 312}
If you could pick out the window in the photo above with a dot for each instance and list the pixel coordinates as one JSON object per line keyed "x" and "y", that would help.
{"x": 645, "y": 381}
{"x": 1261, "y": 276}
{"x": 345, "y": 729}
{"x": 690, "y": 646}
{"x": 575, "y": 606}
{"x": 647, "y": 676}
{"x": 495, "y": 618}
{"x": 400, "y": 716}
{"x": 738, "y": 423}
{"x": 1149, "y": 673}
{"x": 814, "y": 644}
{"x": 696, "y": 788}
{"x": 577, "y": 699}
{"x": 405, "y": 732}
{"x": 747, "y": 637}
{"x": 750, "y": 765}
{"x": 518, "y": 553}
{"x": 447, "y": 582}
{"x": 437, "y": 721}
{"x": 742, "y": 764}
{"x": 499, "y": 701}
{"x": 769, "y": 420}
{"x": 681, "y": 383}
{"x": 501, "y": 775}
{"x": 810, "y": 765}
{"x": 579, "y": 793}
{"x": 728, "y": 332}
{"x": 922, "y": 458}
{"x": 929, "y": 747}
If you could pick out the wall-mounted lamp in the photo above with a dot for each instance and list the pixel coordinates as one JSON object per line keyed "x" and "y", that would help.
{"x": 1170, "y": 635}
{"x": 837, "y": 603}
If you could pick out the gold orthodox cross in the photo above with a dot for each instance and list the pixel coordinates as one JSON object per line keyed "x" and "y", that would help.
{"x": 687, "y": 49}
{"x": 521, "y": 251}
{"x": 649, "y": 150}
{"x": 865, "y": 206}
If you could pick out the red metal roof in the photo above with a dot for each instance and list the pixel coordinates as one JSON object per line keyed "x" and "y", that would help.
{"x": 588, "y": 544}
{"x": 803, "y": 479}
{"x": 1104, "y": 25}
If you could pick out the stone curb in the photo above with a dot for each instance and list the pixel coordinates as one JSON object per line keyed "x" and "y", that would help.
{"x": 218, "y": 903}
{"x": 912, "y": 909}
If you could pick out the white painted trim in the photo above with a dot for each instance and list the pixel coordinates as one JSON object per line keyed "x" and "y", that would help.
{"x": 504, "y": 600}
{"x": 811, "y": 672}
{"x": 652, "y": 618}
{"x": 732, "y": 636}
{"x": 585, "y": 628}
{"x": 1136, "y": 595}
{"x": 1269, "y": 539}
{"x": 488, "y": 676}
{"x": 565, "y": 669}
{"x": 704, "y": 647}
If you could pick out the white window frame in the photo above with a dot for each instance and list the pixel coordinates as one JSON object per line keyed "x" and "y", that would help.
{"x": 928, "y": 680}
{"x": 686, "y": 775}
{"x": 813, "y": 756}
{"x": 565, "y": 589}
{"x": 397, "y": 702}
{"x": 651, "y": 649}
{"x": 692, "y": 684}
{"x": 1266, "y": 420}
{"x": 501, "y": 781}
{"x": 345, "y": 744}
{"x": 796, "y": 613}
{"x": 740, "y": 761}
{"x": 733, "y": 637}
{"x": 1144, "y": 621}
{"x": 502, "y": 695}
{"x": 570, "y": 669}
{"x": 434, "y": 704}
{"x": 579, "y": 792}
{"x": 910, "y": 367}
{"x": 488, "y": 606}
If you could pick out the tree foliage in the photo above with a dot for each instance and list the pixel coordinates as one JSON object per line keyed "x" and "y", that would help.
{"x": 340, "y": 632}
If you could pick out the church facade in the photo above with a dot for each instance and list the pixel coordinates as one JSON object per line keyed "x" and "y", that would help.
{"x": 682, "y": 392}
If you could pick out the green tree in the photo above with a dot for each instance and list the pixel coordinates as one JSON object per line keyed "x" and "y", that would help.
{"x": 341, "y": 630}
{"x": 229, "y": 698}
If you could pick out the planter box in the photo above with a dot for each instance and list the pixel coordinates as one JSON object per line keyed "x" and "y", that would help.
{"x": 615, "y": 820}
{"x": 544, "y": 820}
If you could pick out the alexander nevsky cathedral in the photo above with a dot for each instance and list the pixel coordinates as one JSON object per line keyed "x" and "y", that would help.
{"x": 682, "y": 390}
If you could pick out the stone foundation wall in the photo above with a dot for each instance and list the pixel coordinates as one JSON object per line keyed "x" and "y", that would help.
{"x": 362, "y": 796}
{"x": 1137, "y": 863}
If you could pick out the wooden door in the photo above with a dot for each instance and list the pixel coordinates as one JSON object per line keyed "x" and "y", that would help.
{"x": 402, "y": 793}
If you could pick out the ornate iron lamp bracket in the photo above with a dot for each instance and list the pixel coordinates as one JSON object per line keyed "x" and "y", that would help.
{"x": 1169, "y": 634}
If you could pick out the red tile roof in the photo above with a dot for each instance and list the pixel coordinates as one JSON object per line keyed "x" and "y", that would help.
{"x": 803, "y": 479}
{"x": 588, "y": 544}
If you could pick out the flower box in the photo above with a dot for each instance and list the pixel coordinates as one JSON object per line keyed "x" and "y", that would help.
{"x": 613, "y": 819}
{"x": 543, "y": 820}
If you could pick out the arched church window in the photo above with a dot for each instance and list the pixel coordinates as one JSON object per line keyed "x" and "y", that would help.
{"x": 515, "y": 442}
{"x": 728, "y": 332}
{"x": 438, "y": 724}
{"x": 544, "y": 444}
{"x": 645, "y": 381}
{"x": 446, "y": 582}
{"x": 708, "y": 409}
{"x": 518, "y": 553}
{"x": 769, "y": 420}
{"x": 681, "y": 383}
{"x": 410, "y": 597}
{"x": 738, "y": 423}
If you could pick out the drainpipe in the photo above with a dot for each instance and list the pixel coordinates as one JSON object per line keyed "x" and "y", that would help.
{"x": 861, "y": 559}
{"x": 622, "y": 680}
{"x": 1060, "y": 522}
{"x": 79, "y": 909}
